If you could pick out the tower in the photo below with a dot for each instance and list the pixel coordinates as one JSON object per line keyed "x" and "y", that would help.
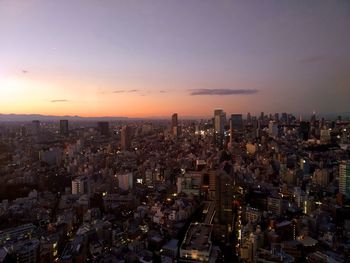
{"x": 64, "y": 127}
{"x": 174, "y": 125}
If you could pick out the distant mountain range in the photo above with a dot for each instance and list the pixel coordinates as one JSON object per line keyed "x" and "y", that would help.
{"x": 31, "y": 117}
{"x": 40, "y": 117}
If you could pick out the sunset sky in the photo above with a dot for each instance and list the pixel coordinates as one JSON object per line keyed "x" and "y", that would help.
{"x": 152, "y": 58}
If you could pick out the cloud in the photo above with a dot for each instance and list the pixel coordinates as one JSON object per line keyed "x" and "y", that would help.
{"x": 24, "y": 71}
{"x": 119, "y": 91}
{"x": 222, "y": 92}
{"x": 54, "y": 101}
{"x": 162, "y": 91}
{"x": 313, "y": 59}
{"x": 133, "y": 90}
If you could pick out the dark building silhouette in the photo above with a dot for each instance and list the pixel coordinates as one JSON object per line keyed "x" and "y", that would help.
{"x": 126, "y": 137}
{"x": 223, "y": 197}
{"x": 103, "y": 128}
{"x": 64, "y": 127}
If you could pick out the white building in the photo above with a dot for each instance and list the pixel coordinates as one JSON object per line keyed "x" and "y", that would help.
{"x": 80, "y": 185}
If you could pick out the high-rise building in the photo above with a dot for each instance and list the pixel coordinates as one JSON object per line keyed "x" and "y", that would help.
{"x": 36, "y": 127}
{"x": 262, "y": 116}
{"x": 236, "y": 122}
{"x": 273, "y": 129}
{"x": 219, "y": 121}
{"x": 223, "y": 197}
{"x": 80, "y": 185}
{"x": 125, "y": 181}
{"x": 313, "y": 117}
{"x": 304, "y": 130}
{"x": 236, "y": 125}
{"x": 344, "y": 178}
{"x": 174, "y": 125}
{"x": 249, "y": 118}
{"x": 126, "y": 137}
{"x": 103, "y": 128}
{"x": 64, "y": 127}
{"x": 174, "y": 122}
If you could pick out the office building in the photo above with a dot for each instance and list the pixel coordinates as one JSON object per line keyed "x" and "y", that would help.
{"x": 273, "y": 129}
{"x": 304, "y": 130}
{"x": 224, "y": 197}
{"x": 219, "y": 121}
{"x": 344, "y": 178}
{"x": 174, "y": 125}
{"x": 80, "y": 185}
{"x": 126, "y": 137}
{"x": 27, "y": 251}
{"x": 236, "y": 122}
{"x": 35, "y": 127}
{"x": 236, "y": 125}
{"x": 125, "y": 181}
{"x": 64, "y": 127}
{"x": 103, "y": 128}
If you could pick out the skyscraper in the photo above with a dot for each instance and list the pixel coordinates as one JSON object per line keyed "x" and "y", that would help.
{"x": 219, "y": 121}
{"x": 273, "y": 129}
{"x": 344, "y": 178}
{"x": 174, "y": 125}
{"x": 236, "y": 122}
{"x": 36, "y": 127}
{"x": 103, "y": 127}
{"x": 236, "y": 125}
{"x": 249, "y": 118}
{"x": 126, "y": 137}
{"x": 223, "y": 197}
{"x": 64, "y": 127}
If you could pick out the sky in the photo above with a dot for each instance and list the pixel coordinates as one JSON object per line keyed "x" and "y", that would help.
{"x": 152, "y": 58}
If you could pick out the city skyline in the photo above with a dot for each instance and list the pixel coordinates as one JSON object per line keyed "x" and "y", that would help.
{"x": 139, "y": 59}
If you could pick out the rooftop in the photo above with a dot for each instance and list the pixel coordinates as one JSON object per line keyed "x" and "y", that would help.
{"x": 198, "y": 237}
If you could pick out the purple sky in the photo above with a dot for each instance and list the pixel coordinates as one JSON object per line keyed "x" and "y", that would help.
{"x": 241, "y": 56}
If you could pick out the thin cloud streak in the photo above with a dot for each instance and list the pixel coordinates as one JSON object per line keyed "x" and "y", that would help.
{"x": 55, "y": 101}
{"x": 222, "y": 92}
{"x": 313, "y": 59}
{"x": 119, "y": 91}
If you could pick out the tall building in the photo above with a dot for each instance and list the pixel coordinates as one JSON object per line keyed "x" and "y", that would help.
{"x": 36, "y": 127}
{"x": 273, "y": 129}
{"x": 174, "y": 125}
{"x": 103, "y": 128}
{"x": 224, "y": 197}
{"x": 304, "y": 130}
{"x": 80, "y": 185}
{"x": 344, "y": 178}
{"x": 236, "y": 122}
{"x": 125, "y": 181}
{"x": 126, "y": 137}
{"x": 64, "y": 127}
{"x": 236, "y": 125}
{"x": 249, "y": 118}
{"x": 219, "y": 122}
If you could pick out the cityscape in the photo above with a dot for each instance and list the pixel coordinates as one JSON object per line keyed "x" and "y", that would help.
{"x": 174, "y": 131}
{"x": 267, "y": 188}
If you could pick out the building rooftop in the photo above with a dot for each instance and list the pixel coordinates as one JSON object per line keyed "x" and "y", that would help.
{"x": 198, "y": 237}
